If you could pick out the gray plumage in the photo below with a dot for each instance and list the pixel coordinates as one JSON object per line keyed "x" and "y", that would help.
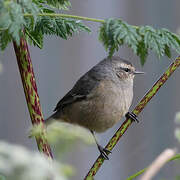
{"x": 100, "y": 97}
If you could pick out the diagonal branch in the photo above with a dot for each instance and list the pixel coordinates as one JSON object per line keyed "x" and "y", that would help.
{"x": 113, "y": 141}
{"x": 30, "y": 90}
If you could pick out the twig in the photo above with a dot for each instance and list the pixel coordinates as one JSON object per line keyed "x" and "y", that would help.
{"x": 67, "y": 16}
{"x": 53, "y": 15}
{"x": 30, "y": 90}
{"x": 158, "y": 163}
{"x": 113, "y": 141}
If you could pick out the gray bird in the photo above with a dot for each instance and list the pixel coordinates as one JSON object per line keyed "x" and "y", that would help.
{"x": 100, "y": 98}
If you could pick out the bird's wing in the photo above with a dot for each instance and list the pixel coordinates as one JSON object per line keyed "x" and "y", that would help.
{"x": 81, "y": 89}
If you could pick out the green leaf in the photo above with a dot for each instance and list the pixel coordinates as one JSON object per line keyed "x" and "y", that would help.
{"x": 152, "y": 40}
{"x": 142, "y": 52}
{"x": 29, "y": 7}
{"x": 170, "y": 39}
{"x": 127, "y": 34}
{"x": 105, "y": 35}
{"x": 16, "y": 20}
{"x": 115, "y": 32}
{"x": 4, "y": 20}
{"x": 60, "y": 27}
{"x": 12, "y": 19}
{"x": 5, "y": 38}
{"x": 59, "y": 4}
{"x": 36, "y": 39}
{"x": 167, "y": 51}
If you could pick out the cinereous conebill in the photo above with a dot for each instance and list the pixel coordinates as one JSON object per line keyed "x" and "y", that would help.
{"x": 100, "y": 98}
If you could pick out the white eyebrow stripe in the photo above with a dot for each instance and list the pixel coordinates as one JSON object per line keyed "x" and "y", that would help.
{"x": 125, "y": 66}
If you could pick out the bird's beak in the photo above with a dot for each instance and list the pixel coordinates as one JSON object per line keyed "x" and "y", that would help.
{"x": 139, "y": 72}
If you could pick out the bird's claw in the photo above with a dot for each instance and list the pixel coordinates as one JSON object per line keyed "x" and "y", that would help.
{"x": 132, "y": 116}
{"x": 104, "y": 152}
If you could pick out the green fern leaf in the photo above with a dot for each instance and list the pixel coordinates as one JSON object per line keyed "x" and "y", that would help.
{"x": 5, "y": 38}
{"x": 16, "y": 20}
{"x": 12, "y": 19}
{"x": 167, "y": 51}
{"x": 142, "y": 52}
{"x": 170, "y": 39}
{"x": 59, "y": 4}
{"x": 60, "y": 27}
{"x": 115, "y": 32}
{"x": 152, "y": 40}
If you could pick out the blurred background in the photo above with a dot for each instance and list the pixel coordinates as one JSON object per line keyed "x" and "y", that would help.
{"x": 59, "y": 65}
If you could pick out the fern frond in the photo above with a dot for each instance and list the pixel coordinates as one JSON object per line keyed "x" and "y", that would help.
{"x": 115, "y": 33}
{"x": 61, "y": 27}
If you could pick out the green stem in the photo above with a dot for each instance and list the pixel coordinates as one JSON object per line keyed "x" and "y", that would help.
{"x": 70, "y": 16}
{"x": 67, "y": 16}
{"x": 113, "y": 141}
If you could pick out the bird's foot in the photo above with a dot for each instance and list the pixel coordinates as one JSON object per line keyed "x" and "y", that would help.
{"x": 104, "y": 152}
{"x": 132, "y": 116}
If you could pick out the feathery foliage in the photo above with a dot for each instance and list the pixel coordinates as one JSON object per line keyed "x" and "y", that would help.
{"x": 12, "y": 21}
{"x": 59, "y": 4}
{"x": 41, "y": 20}
{"x": 115, "y": 33}
{"x": 61, "y": 27}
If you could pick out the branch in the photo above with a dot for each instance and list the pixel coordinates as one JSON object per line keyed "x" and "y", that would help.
{"x": 30, "y": 90}
{"x": 69, "y": 16}
{"x": 113, "y": 141}
{"x": 66, "y": 16}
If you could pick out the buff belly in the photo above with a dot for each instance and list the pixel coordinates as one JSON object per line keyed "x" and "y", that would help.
{"x": 101, "y": 110}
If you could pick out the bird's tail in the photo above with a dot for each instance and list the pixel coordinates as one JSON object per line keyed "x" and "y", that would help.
{"x": 49, "y": 120}
{"x": 52, "y": 118}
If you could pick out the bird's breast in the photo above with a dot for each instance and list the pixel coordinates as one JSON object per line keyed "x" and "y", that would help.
{"x": 103, "y": 107}
{"x": 113, "y": 100}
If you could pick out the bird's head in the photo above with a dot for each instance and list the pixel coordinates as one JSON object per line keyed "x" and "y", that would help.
{"x": 124, "y": 69}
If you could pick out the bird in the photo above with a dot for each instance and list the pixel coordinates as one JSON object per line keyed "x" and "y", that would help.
{"x": 100, "y": 98}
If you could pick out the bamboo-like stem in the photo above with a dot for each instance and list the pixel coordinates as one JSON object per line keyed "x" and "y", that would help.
{"x": 113, "y": 141}
{"x": 30, "y": 90}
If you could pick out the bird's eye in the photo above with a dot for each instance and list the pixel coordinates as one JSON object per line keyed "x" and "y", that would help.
{"x": 127, "y": 69}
